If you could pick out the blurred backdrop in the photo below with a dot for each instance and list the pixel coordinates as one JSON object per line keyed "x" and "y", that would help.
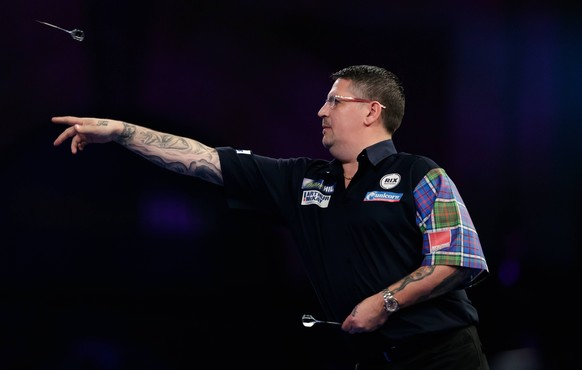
{"x": 109, "y": 262}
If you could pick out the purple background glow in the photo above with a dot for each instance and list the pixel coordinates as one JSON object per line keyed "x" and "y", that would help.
{"x": 109, "y": 262}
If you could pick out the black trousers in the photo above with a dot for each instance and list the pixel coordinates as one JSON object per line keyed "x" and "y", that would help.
{"x": 458, "y": 349}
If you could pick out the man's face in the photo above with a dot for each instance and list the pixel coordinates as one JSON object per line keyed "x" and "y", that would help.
{"x": 342, "y": 119}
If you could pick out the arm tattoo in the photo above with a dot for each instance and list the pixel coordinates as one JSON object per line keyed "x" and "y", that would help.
{"x": 417, "y": 275}
{"x": 165, "y": 141}
{"x": 174, "y": 153}
{"x": 456, "y": 280}
{"x": 127, "y": 133}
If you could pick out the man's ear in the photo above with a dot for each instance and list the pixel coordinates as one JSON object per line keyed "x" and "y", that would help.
{"x": 374, "y": 113}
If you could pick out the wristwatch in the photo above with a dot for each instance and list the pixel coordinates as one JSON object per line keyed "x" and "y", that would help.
{"x": 391, "y": 305}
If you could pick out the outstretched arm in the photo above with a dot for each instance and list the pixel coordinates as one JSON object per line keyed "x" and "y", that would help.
{"x": 175, "y": 153}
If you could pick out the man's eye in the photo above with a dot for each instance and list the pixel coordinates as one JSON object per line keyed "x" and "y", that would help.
{"x": 332, "y": 101}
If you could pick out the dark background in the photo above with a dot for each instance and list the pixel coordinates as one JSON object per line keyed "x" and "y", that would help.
{"x": 109, "y": 262}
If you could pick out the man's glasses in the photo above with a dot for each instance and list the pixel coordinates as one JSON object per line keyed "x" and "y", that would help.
{"x": 334, "y": 99}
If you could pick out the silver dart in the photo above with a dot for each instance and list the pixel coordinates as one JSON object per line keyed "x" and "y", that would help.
{"x": 76, "y": 34}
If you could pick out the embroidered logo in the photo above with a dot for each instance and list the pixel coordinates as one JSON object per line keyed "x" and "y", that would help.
{"x": 317, "y": 184}
{"x": 390, "y": 181}
{"x": 316, "y": 192}
{"x": 315, "y": 197}
{"x": 382, "y": 196}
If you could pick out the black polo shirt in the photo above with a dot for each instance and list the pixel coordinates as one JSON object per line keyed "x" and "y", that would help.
{"x": 354, "y": 241}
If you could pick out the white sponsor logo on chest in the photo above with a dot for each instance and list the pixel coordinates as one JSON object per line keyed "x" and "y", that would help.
{"x": 315, "y": 197}
{"x": 390, "y": 181}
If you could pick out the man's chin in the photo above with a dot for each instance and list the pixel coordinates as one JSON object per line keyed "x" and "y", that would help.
{"x": 325, "y": 143}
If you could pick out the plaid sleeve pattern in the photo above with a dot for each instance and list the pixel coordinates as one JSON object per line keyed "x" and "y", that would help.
{"x": 449, "y": 237}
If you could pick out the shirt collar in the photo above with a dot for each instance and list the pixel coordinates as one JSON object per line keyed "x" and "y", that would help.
{"x": 374, "y": 153}
{"x": 379, "y": 151}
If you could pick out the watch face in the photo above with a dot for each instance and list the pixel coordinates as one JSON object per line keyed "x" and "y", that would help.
{"x": 391, "y": 305}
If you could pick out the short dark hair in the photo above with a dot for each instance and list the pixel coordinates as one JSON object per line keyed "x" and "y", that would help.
{"x": 376, "y": 83}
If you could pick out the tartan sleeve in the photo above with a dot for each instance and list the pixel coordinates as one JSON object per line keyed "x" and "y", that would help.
{"x": 449, "y": 236}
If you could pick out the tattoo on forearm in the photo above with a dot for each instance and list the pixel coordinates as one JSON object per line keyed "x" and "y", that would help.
{"x": 186, "y": 156}
{"x": 165, "y": 141}
{"x": 127, "y": 133}
{"x": 202, "y": 169}
{"x": 454, "y": 281}
{"x": 417, "y": 275}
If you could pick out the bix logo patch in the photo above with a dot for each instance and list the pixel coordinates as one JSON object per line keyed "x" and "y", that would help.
{"x": 390, "y": 181}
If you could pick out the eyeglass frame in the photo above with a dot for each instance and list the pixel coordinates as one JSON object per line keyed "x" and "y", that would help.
{"x": 332, "y": 100}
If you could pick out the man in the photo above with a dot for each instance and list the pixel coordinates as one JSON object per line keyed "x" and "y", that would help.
{"x": 385, "y": 236}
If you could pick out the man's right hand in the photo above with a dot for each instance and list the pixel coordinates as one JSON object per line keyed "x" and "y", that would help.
{"x": 83, "y": 131}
